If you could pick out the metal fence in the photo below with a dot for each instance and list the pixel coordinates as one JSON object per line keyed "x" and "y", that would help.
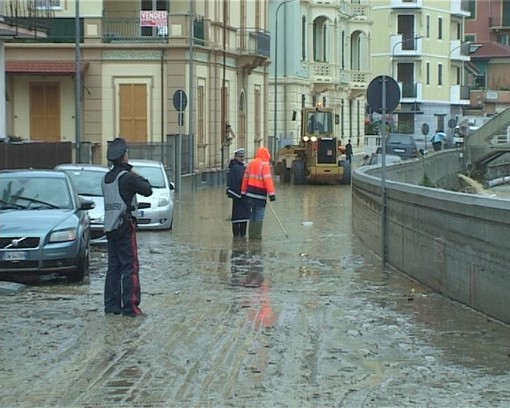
{"x": 38, "y": 155}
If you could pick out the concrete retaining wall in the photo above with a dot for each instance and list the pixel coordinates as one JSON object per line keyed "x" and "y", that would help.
{"x": 457, "y": 244}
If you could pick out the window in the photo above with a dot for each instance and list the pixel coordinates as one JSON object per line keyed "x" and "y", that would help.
{"x": 427, "y": 28}
{"x": 303, "y": 38}
{"x": 458, "y": 75}
{"x": 472, "y": 9}
{"x": 440, "y": 74}
{"x": 439, "y": 28}
{"x": 428, "y": 73}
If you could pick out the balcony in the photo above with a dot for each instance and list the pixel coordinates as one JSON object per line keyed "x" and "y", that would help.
{"x": 407, "y": 4}
{"x": 323, "y": 72}
{"x": 253, "y": 47}
{"x": 406, "y": 45}
{"x": 358, "y": 79}
{"x": 459, "y": 95}
{"x": 410, "y": 91}
{"x": 459, "y": 50}
{"x": 128, "y": 30}
{"x": 253, "y": 41}
{"x": 460, "y": 8}
{"x": 20, "y": 19}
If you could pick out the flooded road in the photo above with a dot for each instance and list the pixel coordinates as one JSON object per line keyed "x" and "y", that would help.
{"x": 305, "y": 321}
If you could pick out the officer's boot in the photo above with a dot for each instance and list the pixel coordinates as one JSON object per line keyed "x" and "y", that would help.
{"x": 251, "y": 229}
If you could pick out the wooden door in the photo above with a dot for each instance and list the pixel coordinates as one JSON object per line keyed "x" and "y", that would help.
{"x": 45, "y": 111}
{"x": 133, "y": 112}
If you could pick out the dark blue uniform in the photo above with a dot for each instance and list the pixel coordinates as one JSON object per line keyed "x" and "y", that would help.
{"x": 240, "y": 208}
{"x": 122, "y": 284}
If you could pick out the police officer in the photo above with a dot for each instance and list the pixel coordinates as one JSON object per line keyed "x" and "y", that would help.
{"x": 240, "y": 207}
{"x": 120, "y": 186}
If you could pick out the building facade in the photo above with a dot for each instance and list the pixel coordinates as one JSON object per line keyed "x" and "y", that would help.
{"x": 320, "y": 55}
{"x": 489, "y": 27}
{"x": 420, "y": 43}
{"x": 148, "y": 71}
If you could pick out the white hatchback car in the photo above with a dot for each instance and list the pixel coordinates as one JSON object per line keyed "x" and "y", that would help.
{"x": 157, "y": 211}
{"x": 87, "y": 180}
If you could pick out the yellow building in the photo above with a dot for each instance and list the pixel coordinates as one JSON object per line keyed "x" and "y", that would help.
{"x": 138, "y": 68}
{"x": 420, "y": 43}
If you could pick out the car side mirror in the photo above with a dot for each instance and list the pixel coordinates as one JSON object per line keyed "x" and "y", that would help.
{"x": 86, "y": 204}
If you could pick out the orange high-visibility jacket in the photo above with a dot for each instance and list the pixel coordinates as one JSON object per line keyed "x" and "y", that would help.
{"x": 258, "y": 181}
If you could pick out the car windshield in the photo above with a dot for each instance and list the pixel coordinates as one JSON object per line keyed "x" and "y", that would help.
{"x": 33, "y": 193}
{"x": 154, "y": 174}
{"x": 87, "y": 182}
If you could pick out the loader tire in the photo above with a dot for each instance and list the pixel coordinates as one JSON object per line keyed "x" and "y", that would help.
{"x": 298, "y": 172}
{"x": 346, "y": 178}
{"x": 285, "y": 174}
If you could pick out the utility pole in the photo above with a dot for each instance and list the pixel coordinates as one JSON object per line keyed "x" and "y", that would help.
{"x": 77, "y": 82}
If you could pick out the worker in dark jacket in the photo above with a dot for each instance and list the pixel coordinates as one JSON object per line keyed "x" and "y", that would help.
{"x": 120, "y": 186}
{"x": 240, "y": 207}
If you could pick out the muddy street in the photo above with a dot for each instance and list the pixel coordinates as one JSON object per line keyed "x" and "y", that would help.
{"x": 305, "y": 321}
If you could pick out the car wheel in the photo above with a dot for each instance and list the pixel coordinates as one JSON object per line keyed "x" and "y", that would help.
{"x": 82, "y": 267}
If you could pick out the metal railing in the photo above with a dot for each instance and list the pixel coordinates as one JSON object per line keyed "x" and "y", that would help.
{"x": 26, "y": 14}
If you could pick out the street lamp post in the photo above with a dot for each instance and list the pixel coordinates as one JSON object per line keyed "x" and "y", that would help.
{"x": 275, "y": 114}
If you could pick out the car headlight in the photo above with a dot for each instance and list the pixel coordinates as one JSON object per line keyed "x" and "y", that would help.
{"x": 64, "y": 235}
{"x": 163, "y": 201}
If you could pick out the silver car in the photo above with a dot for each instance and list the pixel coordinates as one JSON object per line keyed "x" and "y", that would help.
{"x": 44, "y": 225}
{"x": 87, "y": 180}
{"x": 157, "y": 211}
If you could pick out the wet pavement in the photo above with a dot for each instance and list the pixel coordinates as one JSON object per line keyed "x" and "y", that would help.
{"x": 310, "y": 320}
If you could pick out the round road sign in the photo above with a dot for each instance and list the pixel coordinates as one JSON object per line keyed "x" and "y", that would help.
{"x": 375, "y": 94}
{"x": 180, "y": 100}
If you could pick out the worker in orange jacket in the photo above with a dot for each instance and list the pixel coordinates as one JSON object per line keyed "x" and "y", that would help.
{"x": 257, "y": 185}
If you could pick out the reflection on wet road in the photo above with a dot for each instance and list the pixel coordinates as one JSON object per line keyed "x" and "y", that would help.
{"x": 309, "y": 320}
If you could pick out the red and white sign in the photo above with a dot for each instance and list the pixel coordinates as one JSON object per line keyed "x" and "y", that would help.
{"x": 153, "y": 18}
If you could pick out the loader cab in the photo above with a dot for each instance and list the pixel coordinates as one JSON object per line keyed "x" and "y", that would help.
{"x": 318, "y": 122}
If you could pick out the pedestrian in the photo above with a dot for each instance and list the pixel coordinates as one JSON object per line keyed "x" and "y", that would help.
{"x": 437, "y": 140}
{"x": 348, "y": 151}
{"x": 240, "y": 208}
{"x": 257, "y": 185}
{"x": 120, "y": 186}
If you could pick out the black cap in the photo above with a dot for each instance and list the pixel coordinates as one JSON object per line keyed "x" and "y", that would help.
{"x": 116, "y": 149}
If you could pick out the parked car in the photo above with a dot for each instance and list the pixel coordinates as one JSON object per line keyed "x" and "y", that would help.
{"x": 401, "y": 144}
{"x": 376, "y": 158}
{"x": 87, "y": 181}
{"x": 44, "y": 225}
{"x": 156, "y": 211}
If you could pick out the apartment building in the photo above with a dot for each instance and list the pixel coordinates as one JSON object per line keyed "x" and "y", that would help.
{"x": 489, "y": 28}
{"x": 420, "y": 43}
{"x": 320, "y": 55}
{"x": 18, "y": 19}
{"x": 132, "y": 59}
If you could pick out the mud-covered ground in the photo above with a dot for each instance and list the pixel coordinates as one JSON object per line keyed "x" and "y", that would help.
{"x": 305, "y": 321}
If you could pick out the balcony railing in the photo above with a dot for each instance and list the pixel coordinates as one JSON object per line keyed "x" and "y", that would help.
{"x": 411, "y": 90}
{"x": 128, "y": 30}
{"x": 323, "y": 72}
{"x": 407, "y": 4}
{"x": 252, "y": 41}
{"x": 459, "y": 94}
{"x": 25, "y": 14}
